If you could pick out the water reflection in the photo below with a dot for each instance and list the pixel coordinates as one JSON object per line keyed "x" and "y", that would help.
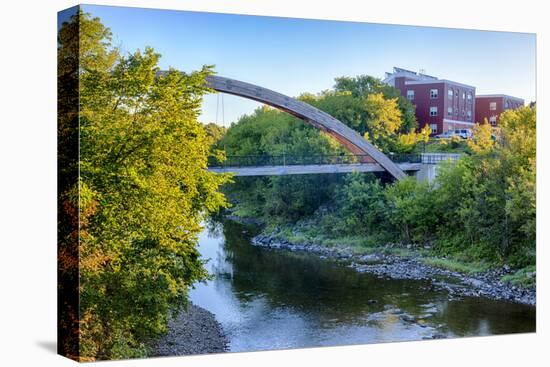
{"x": 268, "y": 299}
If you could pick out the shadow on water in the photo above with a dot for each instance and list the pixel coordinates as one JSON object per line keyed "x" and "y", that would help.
{"x": 270, "y": 299}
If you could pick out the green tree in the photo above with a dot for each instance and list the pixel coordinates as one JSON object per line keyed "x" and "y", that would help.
{"x": 482, "y": 139}
{"x": 384, "y": 120}
{"x": 487, "y": 201}
{"x": 410, "y": 210}
{"x": 362, "y": 206}
{"x": 363, "y": 85}
{"x": 143, "y": 191}
{"x": 267, "y": 133}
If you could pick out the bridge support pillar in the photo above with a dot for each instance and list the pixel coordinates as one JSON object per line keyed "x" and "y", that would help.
{"x": 426, "y": 173}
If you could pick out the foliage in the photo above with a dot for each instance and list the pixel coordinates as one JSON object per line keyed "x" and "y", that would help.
{"x": 487, "y": 200}
{"x": 441, "y": 145}
{"x": 269, "y": 132}
{"x": 375, "y": 110}
{"x": 363, "y": 85}
{"x": 143, "y": 191}
{"x": 384, "y": 119}
{"x": 362, "y": 205}
{"x": 406, "y": 143}
{"x": 410, "y": 210}
{"x": 482, "y": 140}
{"x": 524, "y": 277}
{"x": 454, "y": 265}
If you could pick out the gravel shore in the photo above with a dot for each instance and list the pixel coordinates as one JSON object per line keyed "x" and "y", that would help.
{"x": 484, "y": 284}
{"x": 192, "y": 331}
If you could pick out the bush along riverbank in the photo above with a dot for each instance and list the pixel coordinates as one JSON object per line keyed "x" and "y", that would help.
{"x": 475, "y": 221}
{"x": 192, "y": 331}
{"x": 416, "y": 262}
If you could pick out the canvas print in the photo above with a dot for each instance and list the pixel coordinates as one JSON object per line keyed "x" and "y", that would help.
{"x": 235, "y": 183}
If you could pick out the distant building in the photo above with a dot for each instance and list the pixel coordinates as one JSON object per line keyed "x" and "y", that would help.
{"x": 490, "y": 106}
{"x": 442, "y": 104}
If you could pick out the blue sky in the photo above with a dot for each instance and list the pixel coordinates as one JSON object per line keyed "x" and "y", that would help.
{"x": 293, "y": 56}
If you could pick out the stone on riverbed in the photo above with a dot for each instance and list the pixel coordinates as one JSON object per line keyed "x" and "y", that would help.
{"x": 192, "y": 331}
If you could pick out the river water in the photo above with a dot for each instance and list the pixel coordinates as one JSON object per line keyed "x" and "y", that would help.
{"x": 275, "y": 299}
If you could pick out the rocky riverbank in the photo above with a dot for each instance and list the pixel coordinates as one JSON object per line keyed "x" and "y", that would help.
{"x": 192, "y": 331}
{"x": 484, "y": 284}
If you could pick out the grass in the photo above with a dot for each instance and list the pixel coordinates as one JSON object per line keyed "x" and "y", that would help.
{"x": 442, "y": 146}
{"x": 359, "y": 245}
{"x": 523, "y": 277}
{"x": 456, "y": 265}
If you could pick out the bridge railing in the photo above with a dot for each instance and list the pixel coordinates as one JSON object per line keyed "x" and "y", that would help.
{"x": 293, "y": 160}
{"x": 435, "y": 158}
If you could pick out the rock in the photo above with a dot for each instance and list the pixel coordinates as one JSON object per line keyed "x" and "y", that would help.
{"x": 407, "y": 318}
{"x": 192, "y": 331}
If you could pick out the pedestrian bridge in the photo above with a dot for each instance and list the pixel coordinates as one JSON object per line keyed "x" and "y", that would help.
{"x": 422, "y": 165}
{"x": 349, "y": 138}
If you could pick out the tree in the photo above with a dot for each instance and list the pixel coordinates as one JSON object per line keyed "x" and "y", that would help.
{"x": 143, "y": 192}
{"x": 410, "y": 210}
{"x": 383, "y": 121}
{"x": 487, "y": 201}
{"x": 362, "y": 206}
{"x": 363, "y": 85}
{"x": 407, "y": 142}
{"x": 482, "y": 140}
{"x": 272, "y": 133}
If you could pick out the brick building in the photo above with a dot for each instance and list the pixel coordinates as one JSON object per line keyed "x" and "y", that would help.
{"x": 490, "y": 106}
{"x": 442, "y": 104}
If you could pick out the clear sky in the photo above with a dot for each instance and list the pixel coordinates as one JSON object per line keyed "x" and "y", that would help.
{"x": 293, "y": 56}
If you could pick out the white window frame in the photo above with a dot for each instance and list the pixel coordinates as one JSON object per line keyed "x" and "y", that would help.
{"x": 450, "y": 93}
{"x": 434, "y": 93}
{"x": 449, "y": 111}
{"x": 410, "y": 94}
{"x": 433, "y": 127}
{"x": 469, "y": 96}
{"x": 433, "y": 110}
{"x": 493, "y": 120}
{"x": 492, "y": 106}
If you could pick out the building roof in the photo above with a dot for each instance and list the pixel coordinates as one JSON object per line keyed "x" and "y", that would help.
{"x": 417, "y": 78}
{"x": 414, "y": 82}
{"x": 499, "y": 96}
{"x": 400, "y": 72}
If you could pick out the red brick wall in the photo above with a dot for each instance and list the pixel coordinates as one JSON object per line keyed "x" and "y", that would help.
{"x": 483, "y": 108}
{"x": 503, "y": 103}
{"x": 423, "y": 102}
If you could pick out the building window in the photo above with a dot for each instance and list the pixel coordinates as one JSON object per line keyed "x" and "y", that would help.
{"x": 493, "y": 106}
{"x": 469, "y": 96}
{"x": 450, "y": 93}
{"x": 433, "y": 111}
{"x": 433, "y": 127}
{"x": 463, "y": 95}
{"x": 433, "y": 93}
{"x": 450, "y": 111}
{"x": 469, "y": 114}
{"x": 493, "y": 120}
{"x": 410, "y": 95}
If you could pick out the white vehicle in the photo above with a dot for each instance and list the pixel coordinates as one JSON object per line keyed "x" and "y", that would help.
{"x": 463, "y": 133}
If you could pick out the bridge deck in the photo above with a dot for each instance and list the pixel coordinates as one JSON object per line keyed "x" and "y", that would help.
{"x": 311, "y": 169}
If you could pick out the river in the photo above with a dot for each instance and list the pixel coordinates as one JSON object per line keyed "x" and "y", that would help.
{"x": 275, "y": 299}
